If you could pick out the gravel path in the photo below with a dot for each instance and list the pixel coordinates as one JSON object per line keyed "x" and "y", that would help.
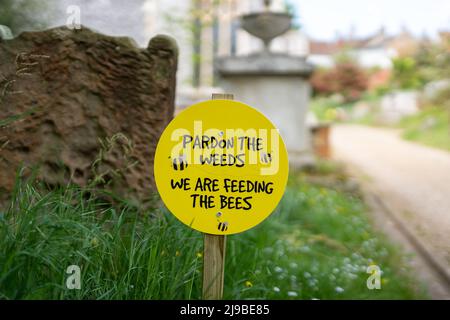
{"x": 411, "y": 178}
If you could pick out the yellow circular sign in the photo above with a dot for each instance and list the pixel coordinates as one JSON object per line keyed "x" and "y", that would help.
{"x": 221, "y": 167}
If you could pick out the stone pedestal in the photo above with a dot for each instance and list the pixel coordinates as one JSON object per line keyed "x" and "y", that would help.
{"x": 278, "y": 86}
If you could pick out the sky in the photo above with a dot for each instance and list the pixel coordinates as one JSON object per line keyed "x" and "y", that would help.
{"x": 323, "y": 19}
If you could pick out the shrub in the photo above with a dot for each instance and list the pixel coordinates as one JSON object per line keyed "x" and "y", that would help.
{"x": 346, "y": 79}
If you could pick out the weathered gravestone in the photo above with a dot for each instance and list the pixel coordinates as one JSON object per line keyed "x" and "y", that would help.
{"x": 97, "y": 106}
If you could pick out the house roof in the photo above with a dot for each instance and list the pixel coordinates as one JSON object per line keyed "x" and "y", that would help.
{"x": 379, "y": 39}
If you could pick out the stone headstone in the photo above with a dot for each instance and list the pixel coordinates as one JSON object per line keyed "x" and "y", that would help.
{"x": 95, "y": 107}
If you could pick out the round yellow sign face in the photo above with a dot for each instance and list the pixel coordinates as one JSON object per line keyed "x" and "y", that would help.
{"x": 221, "y": 167}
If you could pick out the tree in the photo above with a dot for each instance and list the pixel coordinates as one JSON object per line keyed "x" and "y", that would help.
{"x": 433, "y": 64}
{"x": 345, "y": 78}
{"x": 405, "y": 74}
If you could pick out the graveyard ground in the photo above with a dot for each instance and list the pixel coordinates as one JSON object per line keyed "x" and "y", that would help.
{"x": 317, "y": 245}
{"x": 410, "y": 178}
{"x": 430, "y": 126}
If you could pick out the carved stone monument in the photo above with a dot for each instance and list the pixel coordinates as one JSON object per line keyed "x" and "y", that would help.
{"x": 275, "y": 83}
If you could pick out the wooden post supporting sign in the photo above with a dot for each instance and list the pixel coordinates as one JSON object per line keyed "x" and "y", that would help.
{"x": 214, "y": 249}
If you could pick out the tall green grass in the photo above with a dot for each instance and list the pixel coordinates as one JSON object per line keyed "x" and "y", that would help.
{"x": 123, "y": 254}
{"x": 317, "y": 244}
{"x": 431, "y": 127}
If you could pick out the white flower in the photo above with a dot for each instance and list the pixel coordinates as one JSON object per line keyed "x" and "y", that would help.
{"x": 339, "y": 289}
{"x": 307, "y": 275}
{"x": 293, "y": 265}
{"x": 278, "y": 269}
{"x": 276, "y": 289}
{"x": 352, "y": 276}
{"x": 305, "y": 249}
{"x": 268, "y": 249}
{"x": 292, "y": 294}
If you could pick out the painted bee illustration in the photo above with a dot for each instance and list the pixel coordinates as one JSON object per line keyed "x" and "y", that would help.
{"x": 223, "y": 226}
{"x": 180, "y": 163}
{"x": 266, "y": 157}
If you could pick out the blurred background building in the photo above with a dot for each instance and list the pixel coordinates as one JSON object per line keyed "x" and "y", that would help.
{"x": 205, "y": 30}
{"x": 209, "y": 29}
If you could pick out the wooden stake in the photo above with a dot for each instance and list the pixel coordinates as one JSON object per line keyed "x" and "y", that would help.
{"x": 214, "y": 248}
{"x": 213, "y": 266}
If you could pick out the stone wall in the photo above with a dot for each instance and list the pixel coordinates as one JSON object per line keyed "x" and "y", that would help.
{"x": 93, "y": 108}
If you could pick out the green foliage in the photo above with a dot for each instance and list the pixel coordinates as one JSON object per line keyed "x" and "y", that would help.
{"x": 433, "y": 61}
{"x": 346, "y": 79}
{"x": 405, "y": 74}
{"x": 11, "y": 119}
{"x": 430, "y": 127}
{"x": 430, "y": 63}
{"x": 325, "y": 109}
{"x": 20, "y": 15}
{"x": 122, "y": 255}
{"x": 317, "y": 244}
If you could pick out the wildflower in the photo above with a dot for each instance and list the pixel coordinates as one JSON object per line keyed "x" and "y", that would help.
{"x": 248, "y": 284}
{"x": 339, "y": 289}
{"x": 163, "y": 253}
{"x": 94, "y": 242}
{"x": 352, "y": 276}
{"x": 177, "y": 253}
{"x": 199, "y": 254}
{"x": 293, "y": 265}
{"x": 292, "y": 294}
{"x": 276, "y": 289}
{"x": 305, "y": 249}
{"x": 278, "y": 269}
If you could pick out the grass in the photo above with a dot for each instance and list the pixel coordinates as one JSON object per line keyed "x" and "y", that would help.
{"x": 325, "y": 109}
{"x": 431, "y": 127}
{"x": 317, "y": 244}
